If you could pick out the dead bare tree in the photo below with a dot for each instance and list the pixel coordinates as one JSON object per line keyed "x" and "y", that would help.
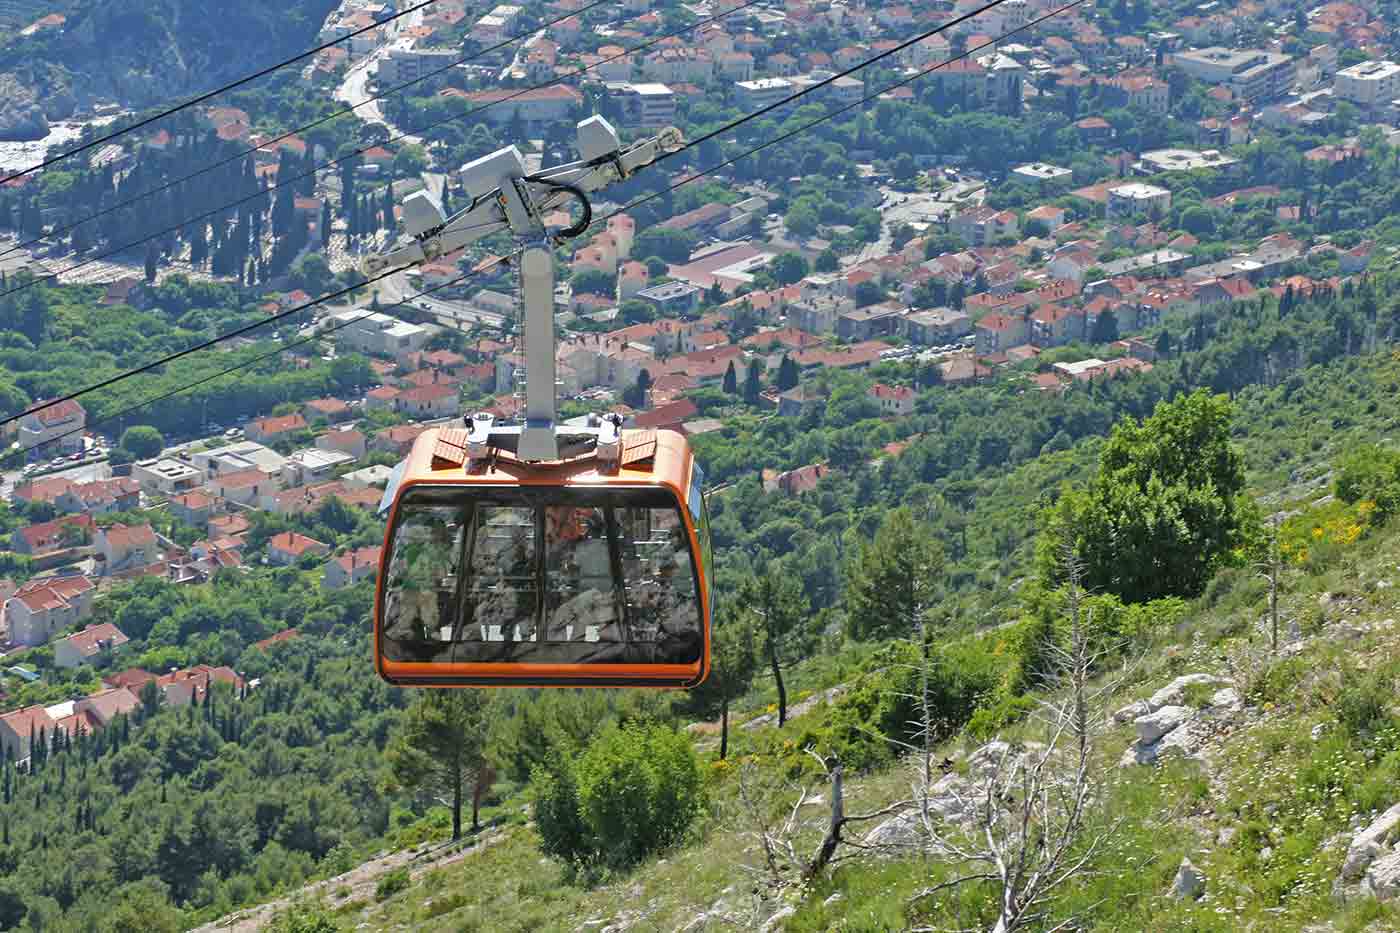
{"x": 784, "y": 863}
{"x": 1269, "y": 569}
{"x": 1028, "y": 831}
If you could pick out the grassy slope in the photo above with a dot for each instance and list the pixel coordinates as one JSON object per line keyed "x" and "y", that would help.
{"x": 1267, "y": 780}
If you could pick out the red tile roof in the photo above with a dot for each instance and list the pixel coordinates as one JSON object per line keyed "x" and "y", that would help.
{"x": 292, "y": 422}
{"x": 91, "y": 640}
{"x": 284, "y": 635}
{"x": 289, "y": 542}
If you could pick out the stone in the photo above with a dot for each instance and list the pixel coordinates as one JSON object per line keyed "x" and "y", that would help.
{"x": 1189, "y": 882}
{"x": 1154, "y": 725}
{"x": 835, "y": 898}
{"x": 1132, "y": 711}
{"x": 1225, "y": 836}
{"x": 1138, "y": 754}
{"x": 1370, "y": 844}
{"x": 1382, "y": 879}
{"x": 1172, "y": 693}
{"x": 1266, "y": 853}
{"x": 1228, "y": 698}
{"x": 1318, "y": 731}
{"x": 776, "y": 921}
{"x": 904, "y": 829}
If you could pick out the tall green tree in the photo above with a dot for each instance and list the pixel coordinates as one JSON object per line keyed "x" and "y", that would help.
{"x": 788, "y": 375}
{"x": 776, "y": 598}
{"x": 735, "y": 661}
{"x": 1165, "y": 509}
{"x": 731, "y": 379}
{"x": 440, "y": 748}
{"x": 893, "y": 581}
{"x": 143, "y": 441}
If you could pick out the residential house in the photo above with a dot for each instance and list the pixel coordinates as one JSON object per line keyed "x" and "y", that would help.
{"x": 893, "y": 400}
{"x": 59, "y": 534}
{"x": 1054, "y": 325}
{"x": 869, "y": 322}
{"x": 795, "y": 482}
{"x": 326, "y": 409}
{"x": 183, "y": 687}
{"x": 47, "y": 426}
{"x": 193, "y": 508}
{"x": 106, "y": 705}
{"x": 351, "y": 567}
{"x": 397, "y": 440}
{"x": 312, "y": 465}
{"x": 1138, "y": 200}
{"x": 381, "y": 399}
{"x": 430, "y": 401}
{"x": 86, "y": 646}
{"x": 47, "y": 605}
{"x": 288, "y": 547}
{"x": 46, "y": 490}
{"x": 1000, "y": 332}
{"x": 18, "y": 728}
{"x": 166, "y": 477}
{"x": 271, "y": 430}
{"x": 982, "y": 225}
{"x": 101, "y": 497}
{"x": 348, "y": 441}
{"x": 798, "y": 400}
{"x": 937, "y": 326}
{"x": 125, "y": 547}
{"x": 245, "y": 487}
{"x": 287, "y": 634}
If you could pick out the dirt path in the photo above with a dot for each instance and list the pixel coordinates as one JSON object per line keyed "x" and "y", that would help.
{"x": 360, "y": 882}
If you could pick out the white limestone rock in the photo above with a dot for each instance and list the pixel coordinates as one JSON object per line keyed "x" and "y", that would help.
{"x": 1189, "y": 882}
{"x": 1382, "y": 879}
{"x": 1153, "y": 726}
{"x": 1370, "y": 844}
{"x": 1172, "y": 693}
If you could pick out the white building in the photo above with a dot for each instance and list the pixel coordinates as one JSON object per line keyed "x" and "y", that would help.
{"x": 1254, "y": 75}
{"x": 645, "y": 106}
{"x": 312, "y": 466}
{"x": 762, "y": 92}
{"x": 1181, "y": 160}
{"x": 376, "y": 334}
{"x": 1371, "y": 85}
{"x": 165, "y": 477}
{"x": 60, "y": 424}
{"x": 1138, "y": 200}
{"x": 403, "y": 64}
{"x": 1041, "y": 173}
{"x": 45, "y": 606}
{"x": 497, "y": 25}
{"x": 235, "y": 458}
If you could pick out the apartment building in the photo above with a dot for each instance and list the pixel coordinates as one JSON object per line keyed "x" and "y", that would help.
{"x": 644, "y": 106}
{"x": 1254, "y": 75}
{"x": 1370, "y": 85}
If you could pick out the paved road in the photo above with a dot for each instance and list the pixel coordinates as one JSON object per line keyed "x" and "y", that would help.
{"x": 449, "y": 312}
{"x": 355, "y": 88}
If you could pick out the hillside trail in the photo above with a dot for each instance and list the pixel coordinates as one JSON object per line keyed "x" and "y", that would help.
{"x": 357, "y": 884}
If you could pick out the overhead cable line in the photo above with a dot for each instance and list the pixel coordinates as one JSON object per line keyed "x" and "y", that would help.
{"x": 214, "y": 93}
{"x": 203, "y": 345}
{"x": 826, "y": 117}
{"x": 379, "y": 95}
{"x": 263, "y": 357}
{"x": 282, "y": 183}
{"x": 630, "y": 205}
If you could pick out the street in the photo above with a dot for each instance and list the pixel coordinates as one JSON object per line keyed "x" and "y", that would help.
{"x": 354, "y": 89}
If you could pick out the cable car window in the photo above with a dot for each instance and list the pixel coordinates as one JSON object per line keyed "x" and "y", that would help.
{"x": 559, "y": 576}
{"x": 420, "y": 606}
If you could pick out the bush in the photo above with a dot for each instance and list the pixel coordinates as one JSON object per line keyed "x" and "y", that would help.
{"x": 635, "y": 791}
{"x": 1364, "y": 707}
{"x": 391, "y": 884}
{"x": 304, "y": 919}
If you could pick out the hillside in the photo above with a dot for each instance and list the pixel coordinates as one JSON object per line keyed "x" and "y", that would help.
{"x": 1276, "y": 772}
{"x": 1267, "y": 787}
{"x": 152, "y": 53}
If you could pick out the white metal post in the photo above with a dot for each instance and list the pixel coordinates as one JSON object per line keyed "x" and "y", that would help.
{"x": 537, "y": 440}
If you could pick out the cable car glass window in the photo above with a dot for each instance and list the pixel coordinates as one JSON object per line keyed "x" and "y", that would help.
{"x": 560, "y": 576}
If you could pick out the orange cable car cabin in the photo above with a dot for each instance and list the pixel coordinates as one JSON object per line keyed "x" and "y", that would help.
{"x": 541, "y": 554}
{"x": 562, "y": 574}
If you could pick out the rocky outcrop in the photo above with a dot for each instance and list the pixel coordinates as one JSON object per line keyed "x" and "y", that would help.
{"x": 21, "y": 117}
{"x": 1163, "y": 724}
{"x": 1372, "y": 857}
{"x": 1189, "y": 883}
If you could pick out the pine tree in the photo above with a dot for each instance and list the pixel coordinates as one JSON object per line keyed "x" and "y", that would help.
{"x": 731, "y": 380}
{"x": 788, "y": 375}
{"x": 150, "y": 263}
{"x": 752, "y": 385}
{"x": 326, "y": 221}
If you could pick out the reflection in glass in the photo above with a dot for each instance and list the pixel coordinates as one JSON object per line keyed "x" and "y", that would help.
{"x": 552, "y": 576}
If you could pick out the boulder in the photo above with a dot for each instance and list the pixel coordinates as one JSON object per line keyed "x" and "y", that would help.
{"x": 1154, "y": 725}
{"x": 1228, "y": 698}
{"x": 1370, "y": 844}
{"x": 1382, "y": 879}
{"x": 776, "y": 921}
{"x": 1132, "y": 711}
{"x": 904, "y": 829}
{"x": 834, "y": 899}
{"x": 1189, "y": 882}
{"x": 1172, "y": 693}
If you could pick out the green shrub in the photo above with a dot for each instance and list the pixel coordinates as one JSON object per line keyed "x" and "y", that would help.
{"x": 1364, "y": 707}
{"x": 303, "y": 918}
{"x": 391, "y": 884}
{"x": 635, "y": 791}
